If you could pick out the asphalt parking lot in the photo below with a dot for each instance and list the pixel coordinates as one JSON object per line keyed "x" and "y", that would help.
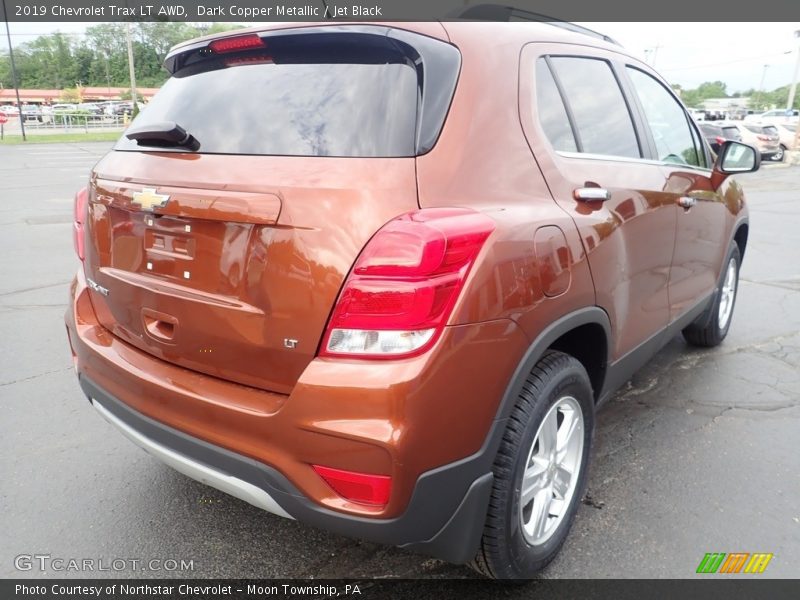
{"x": 699, "y": 453}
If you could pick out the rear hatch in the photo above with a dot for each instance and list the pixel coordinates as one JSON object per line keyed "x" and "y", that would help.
{"x": 226, "y": 255}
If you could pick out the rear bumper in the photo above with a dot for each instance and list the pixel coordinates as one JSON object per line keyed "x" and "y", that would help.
{"x": 427, "y": 526}
{"x": 259, "y": 446}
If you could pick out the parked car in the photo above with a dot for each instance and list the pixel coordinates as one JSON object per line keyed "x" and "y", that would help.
{"x": 788, "y": 137}
{"x": 714, "y": 115}
{"x": 124, "y": 108}
{"x": 767, "y": 141}
{"x": 95, "y": 111}
{"x": 754, "y": 135}
{"x": 32, "y": 112}
{"x": 714, "y": 136}
{"x": 774, "y": 117}
{"x": 697, "y": 114}
{"x": 108, "y": 107}
{"x": 732, "y": 131}
{"x": 392, "y": 308}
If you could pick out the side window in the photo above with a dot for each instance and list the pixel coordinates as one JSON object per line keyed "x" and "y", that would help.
{"x": 552, "y": 114}
{"x": 667, "y": 119}
{"x": 600, "y": 115}
{"x": 698, "y": 146}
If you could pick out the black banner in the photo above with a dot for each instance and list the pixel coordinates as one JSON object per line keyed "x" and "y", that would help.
{"x": 396, "y": 10}
{"x": 551, "y": 589}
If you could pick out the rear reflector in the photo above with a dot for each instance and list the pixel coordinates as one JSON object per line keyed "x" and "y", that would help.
{"x": 405, "y": 284}
{"x": 79, "y": 218}
{"x": 234, "y": 44}
{"x": 361, "y": 488}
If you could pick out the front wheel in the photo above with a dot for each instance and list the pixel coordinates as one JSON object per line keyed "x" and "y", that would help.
{"x": 711, "y": 329}
{"x": 540, "y": 471}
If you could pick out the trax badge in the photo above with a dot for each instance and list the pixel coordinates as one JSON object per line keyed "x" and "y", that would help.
{"x": 149, "y": 200}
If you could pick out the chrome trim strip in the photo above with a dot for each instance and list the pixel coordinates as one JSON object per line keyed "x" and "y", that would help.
{"x": 198, "y": 471}
{"x": 629, "y": 159}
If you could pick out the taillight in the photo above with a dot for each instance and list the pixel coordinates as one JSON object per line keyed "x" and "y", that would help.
{"x": 362, "y": 488}
{"x": 79, "y": 218}
{"x": 719, "y": 140}
{"x": 237, "y": 43}
{"x": 764, "y": 138}
{"x": 405, "y": 284}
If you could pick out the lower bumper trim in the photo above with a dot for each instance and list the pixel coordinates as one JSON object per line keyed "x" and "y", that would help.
{"x": 194, "y": 469}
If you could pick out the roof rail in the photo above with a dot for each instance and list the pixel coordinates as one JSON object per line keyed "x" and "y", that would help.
{"x": 499, "y": 12}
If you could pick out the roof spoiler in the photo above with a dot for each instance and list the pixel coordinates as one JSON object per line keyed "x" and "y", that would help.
{"x": 499, "y": 12}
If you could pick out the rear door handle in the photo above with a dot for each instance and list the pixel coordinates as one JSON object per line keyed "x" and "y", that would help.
{"x": 591, "y": 194}
{"x": 686, "y": 202}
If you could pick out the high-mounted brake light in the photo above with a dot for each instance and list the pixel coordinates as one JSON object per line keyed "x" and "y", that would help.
{"x": 234, "y": 44}
{"x": 403, "y": 287}
{"x": 79, "y": 218}
{"x": 238, "y": 61}
{"x": 362, "y": 488}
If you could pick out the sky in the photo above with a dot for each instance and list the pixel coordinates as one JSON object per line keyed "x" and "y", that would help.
{"x": 684, "y": 53}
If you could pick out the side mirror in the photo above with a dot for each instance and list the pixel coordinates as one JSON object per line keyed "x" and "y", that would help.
{"x": 734, "y": 157}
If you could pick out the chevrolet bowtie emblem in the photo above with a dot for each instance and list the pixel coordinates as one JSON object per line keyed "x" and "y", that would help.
{"x": 148, "y": 199}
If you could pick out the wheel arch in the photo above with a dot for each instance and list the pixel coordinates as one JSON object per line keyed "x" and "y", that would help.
{"x": 740, "y": 237}
{"x": 567, "y": 334}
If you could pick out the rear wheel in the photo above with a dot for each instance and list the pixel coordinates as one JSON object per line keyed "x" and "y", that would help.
{"x": 778, "y": 156}
{"x": 710, "y": 329}
{"x": 540, "y": 471}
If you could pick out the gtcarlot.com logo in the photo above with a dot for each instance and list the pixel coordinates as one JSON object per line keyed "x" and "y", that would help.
{"x": 735, "y": 562}
{"x": 47, "y": 562}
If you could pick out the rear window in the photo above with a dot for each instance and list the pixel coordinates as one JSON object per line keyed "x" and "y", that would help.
{"x": 771, "y": 130}
{"x": 301, "y": 95}
{"x": 731, "y": 133}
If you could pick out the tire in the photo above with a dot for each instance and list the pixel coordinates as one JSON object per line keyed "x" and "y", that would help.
{"x": 778, "y": 156}
{"x": 712, "y": 326}
{"x": 556, "y": 393}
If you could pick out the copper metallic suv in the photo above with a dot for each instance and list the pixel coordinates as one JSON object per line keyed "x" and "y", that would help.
{"x": 379, "y": 278}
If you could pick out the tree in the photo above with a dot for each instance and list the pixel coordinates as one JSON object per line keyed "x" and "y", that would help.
{"x": 71, "y": 95}
{"x": 100, "y": 58}
{"x": 712, "y": 89}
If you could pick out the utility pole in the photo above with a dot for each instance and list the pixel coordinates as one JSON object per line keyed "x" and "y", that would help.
{"x": 792, "y": 89}
{"x": 652, "y": 53}
{"x": 14, "y": 75}
{"x": 131, "y": 68}
{"x": 761, "y": 85}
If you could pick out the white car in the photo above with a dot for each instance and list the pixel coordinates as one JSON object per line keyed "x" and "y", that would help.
{"x": 697, "y": 114}
{"x": 775, "y": 117}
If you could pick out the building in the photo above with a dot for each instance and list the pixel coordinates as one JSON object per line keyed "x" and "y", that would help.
{"x": 87, "y": 94}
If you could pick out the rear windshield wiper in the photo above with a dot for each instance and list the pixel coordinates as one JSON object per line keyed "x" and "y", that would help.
{"x": 163, "y": 133}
